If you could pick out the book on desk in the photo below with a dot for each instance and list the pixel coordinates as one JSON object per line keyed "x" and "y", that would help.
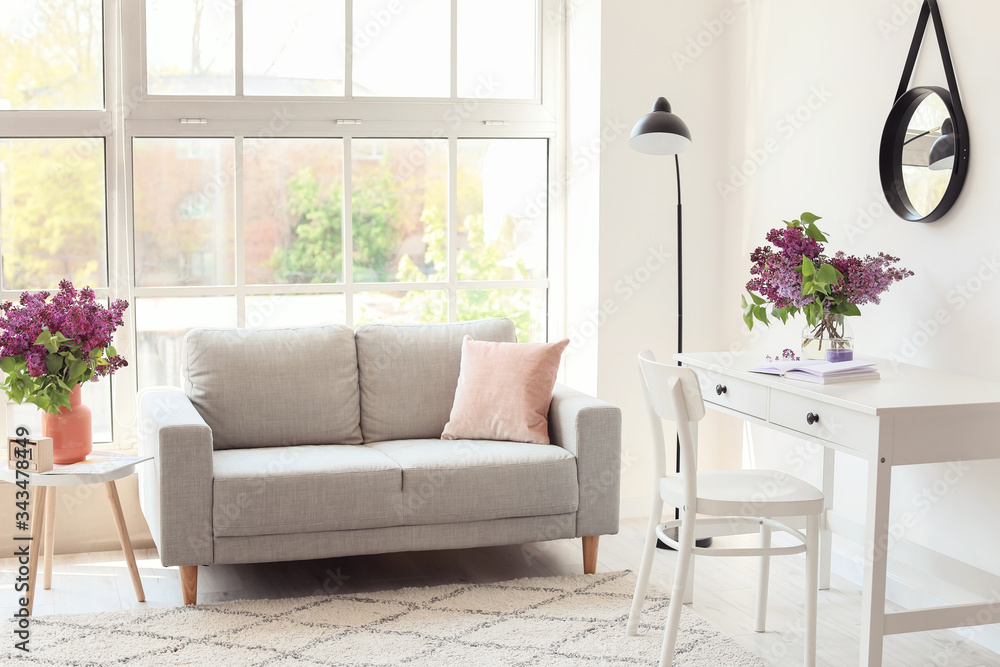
{"x": 821, "y": 372}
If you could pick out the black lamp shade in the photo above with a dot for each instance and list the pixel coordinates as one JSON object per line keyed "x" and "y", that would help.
{"x": 942, "y": 155}
{"x": 660, "y": 132}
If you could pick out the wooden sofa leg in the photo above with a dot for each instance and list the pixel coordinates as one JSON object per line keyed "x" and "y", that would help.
{"x": 189, "y": 583}
{"x": 590, "y": 554}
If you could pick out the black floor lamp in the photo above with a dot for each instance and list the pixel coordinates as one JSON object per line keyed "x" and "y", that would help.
{"x": 660, "y": 132}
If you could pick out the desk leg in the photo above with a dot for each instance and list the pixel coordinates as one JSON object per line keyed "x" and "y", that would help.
{"x": 876, "y": 558}
{"x": 36, "y": 542}
{"x": 826, "y": 536}
{"x": 116, "y": 510}
{"x": 50, "y": 535}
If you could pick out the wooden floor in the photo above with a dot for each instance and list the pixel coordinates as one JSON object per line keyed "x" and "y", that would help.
{"x": 724, "y": 593}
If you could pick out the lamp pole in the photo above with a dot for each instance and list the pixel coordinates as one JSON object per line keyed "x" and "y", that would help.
{"x": 660, "y": 132}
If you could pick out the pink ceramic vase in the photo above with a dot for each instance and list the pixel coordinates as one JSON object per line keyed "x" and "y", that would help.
{"x": 70, "y": 430}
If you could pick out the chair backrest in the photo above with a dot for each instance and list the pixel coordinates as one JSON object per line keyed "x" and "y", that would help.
{"x": 672, "y": 393}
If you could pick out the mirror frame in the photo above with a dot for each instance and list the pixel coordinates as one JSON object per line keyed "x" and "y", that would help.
{"x": 906, "y": 101}
{"x": 891, "y": 147}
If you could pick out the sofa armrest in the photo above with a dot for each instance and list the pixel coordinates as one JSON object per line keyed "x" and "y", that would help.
{"x": 591, "y": 430}
{"x": 175, "y": 491}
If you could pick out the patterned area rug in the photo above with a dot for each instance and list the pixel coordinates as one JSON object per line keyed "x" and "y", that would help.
{"x": 550, "y": 621}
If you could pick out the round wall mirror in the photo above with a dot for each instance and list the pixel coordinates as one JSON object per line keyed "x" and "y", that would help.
{"x": 923, "y": 155}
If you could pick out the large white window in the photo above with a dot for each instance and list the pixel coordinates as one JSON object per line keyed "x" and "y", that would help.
{"x": 264, "y": 163}
{"x": 55, "y": 161}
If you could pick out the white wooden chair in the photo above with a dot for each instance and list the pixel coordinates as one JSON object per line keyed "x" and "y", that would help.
{"x": 737, "y": 502}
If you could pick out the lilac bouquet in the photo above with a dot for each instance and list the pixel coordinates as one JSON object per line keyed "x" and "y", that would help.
{"x": 48, "y": 347}
{"x": 796, "y": 276}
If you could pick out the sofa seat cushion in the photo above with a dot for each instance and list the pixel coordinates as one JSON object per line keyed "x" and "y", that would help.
{"x": 304, "y": 489}
{"x": 275, "y": 387}
{"x": 451, "y": 481}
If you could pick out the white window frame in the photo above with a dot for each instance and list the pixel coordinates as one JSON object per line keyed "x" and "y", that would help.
{"x": 131, "y": 112}
{"x": 102, "y": 124}
{"x": 239, "y": 117}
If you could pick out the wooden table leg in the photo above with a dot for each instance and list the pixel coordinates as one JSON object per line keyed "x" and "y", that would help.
{"x": 116, "y": 510}
{"x": 36, "y": 542}
{"x": 50, "y": 534}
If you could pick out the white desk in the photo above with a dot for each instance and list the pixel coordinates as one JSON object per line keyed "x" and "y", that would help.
{"x": 912, "y": 415}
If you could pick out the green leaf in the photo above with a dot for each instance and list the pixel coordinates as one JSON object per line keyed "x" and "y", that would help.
{"x": 761, "y": 314}
{"x": 847, "y": 309}
{"x": 759, "y": 300}
{"x": 748, "y": 319}
{"x": 8, "y": 364}
{"x": 16, "y": 394}
{"x": 45, "y": 338}
{"x": 54, "y": 363}
{"x": 58, "y": 399}
{"x": 77, "y": 369}
{"x": 808, "y": 267}
{"x": 813, "y": 232}
{"x": 828, "y": 275}
{"x": 743, "y": 301}
{"x": 112, "y": 352}
{"x": 809, "y": 218}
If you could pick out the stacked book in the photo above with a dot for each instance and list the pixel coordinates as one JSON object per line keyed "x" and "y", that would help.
{"x": 821, "y": 372}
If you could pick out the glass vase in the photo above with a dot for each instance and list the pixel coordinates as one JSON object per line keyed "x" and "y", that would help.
{"x": 831, "y": 333}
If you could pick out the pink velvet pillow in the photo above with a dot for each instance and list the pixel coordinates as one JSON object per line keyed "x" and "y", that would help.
{"x": 504, "y": 391}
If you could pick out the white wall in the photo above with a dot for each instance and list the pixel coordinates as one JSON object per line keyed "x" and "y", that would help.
{"x": 786, "y": 105}
{"x": 636, "y": 261}
{"x": 852, "y": 52}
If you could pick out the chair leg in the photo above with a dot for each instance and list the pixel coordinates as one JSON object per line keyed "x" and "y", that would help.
{"x": 812, "y": 584}
{"x": 648, "y": 552}
{"x": 684, "y": 557}
{"x": 763, "y": 576}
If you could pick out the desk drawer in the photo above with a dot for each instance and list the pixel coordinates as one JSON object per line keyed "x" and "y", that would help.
{"x": 835, "y": 424}
{"x": 729, "y": 392}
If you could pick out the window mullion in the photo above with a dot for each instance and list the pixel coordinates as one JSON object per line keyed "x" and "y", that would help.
{"x": 238, "y": 45}
{"x": 347, "y": 227}
{"x": 452, "y": 228}
{"x": 241, "y": 307}
{"x": 454, "y": 49}
{"x": 349, "y": 49}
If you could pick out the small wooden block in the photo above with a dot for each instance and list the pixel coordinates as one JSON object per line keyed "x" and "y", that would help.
{"x": 36, "y": 451}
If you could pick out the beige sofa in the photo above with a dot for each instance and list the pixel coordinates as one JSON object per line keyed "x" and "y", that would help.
{"x": 315, "y": 442}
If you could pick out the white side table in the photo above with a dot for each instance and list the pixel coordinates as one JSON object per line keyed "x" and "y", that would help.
{"x": 104, "y": 469}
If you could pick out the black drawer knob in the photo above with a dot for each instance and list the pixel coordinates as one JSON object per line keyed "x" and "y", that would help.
{"x": 812, "y": 418}
{"x": 720, "y": 389}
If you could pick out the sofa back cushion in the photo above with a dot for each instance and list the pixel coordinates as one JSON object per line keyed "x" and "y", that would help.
{"x": 408, "y": 374}
{"x": 275, "y": 387}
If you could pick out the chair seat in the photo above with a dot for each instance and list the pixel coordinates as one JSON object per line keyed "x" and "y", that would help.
{"x": 746, "y": 493}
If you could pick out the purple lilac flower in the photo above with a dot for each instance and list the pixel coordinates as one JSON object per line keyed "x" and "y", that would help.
{"x": 75, "y": 314}
{"x": 777, "y": 277}
{"x": 865, "y": 279}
